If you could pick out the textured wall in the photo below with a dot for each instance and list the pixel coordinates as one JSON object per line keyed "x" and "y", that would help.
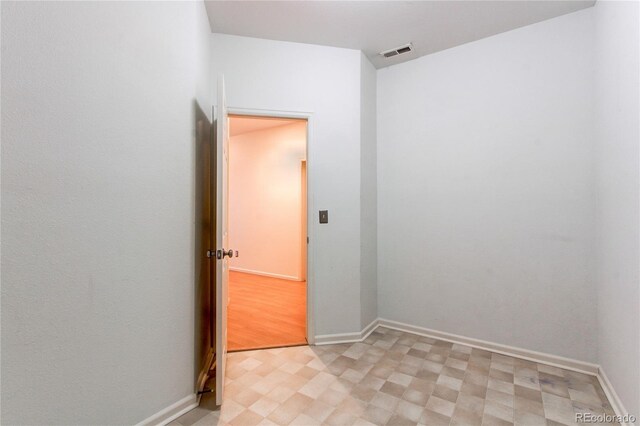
{"x": 275, "y": 75}
{"x": 98, "y": 107}
{"x": 617, "y": 132}
{"x": 485, "y": 189}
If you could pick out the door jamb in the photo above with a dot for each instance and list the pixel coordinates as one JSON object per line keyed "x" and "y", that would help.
{"x": 310, "y": 201}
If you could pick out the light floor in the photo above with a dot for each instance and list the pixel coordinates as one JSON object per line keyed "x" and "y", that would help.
{"x": 265, "y": 312}
{"x": 397, "y": 378}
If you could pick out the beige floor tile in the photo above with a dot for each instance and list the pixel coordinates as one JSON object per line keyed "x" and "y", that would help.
{"x": 283, "y": 415}
{"x": 264, "y": 406}
{"x": 495, "y": 409}
{"x": 247, "y": 418}
{"x": 445, "y": 393}
{"x": 501, "y": 397}
{"x": 471, "y": 404}
{"x": 449, "y": 382}
{"x": 247, "y": 397}
{"x": 489, "y": 420}
{"x": 319, "y": 410}
{"x": 340, "y": 418}
{"x": 395, "y": 378}
{"x": 422, "y": 385}
{"x": 332, "y": 397}
{"x": 377, "y": 415}
{"x": 440, "y": 406}
{"x": 398, "y": 420}
{"x": 304, "y": 420}
{"x": 372, "y": 381}
{"x": 363, "y": 393}
{"x": 529, "y": 406}
{"x": 584, "y": 396}
{"x": 385, "y": 401}
{"x": 229, "y": 410}
{"x": 558, "y": 409}
{"x": 432, "y": 418}
{"x": 464, "y": 418}
{"x": 416, "y": 397}
{"x": 400, "y": 378}
{"x": 523, "y": 418}
{"x": 499, "y": 385}
{"x": 393, "y": 389}
{"x": 280, "y": 393}
{"x": 409, "y": 410}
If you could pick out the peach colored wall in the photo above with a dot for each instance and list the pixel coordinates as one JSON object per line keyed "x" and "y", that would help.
{"x": 265, "y": 200}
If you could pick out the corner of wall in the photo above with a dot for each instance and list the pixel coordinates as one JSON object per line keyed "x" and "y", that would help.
{"x": 617, "y": 131}
{"x": 368, "y": 194}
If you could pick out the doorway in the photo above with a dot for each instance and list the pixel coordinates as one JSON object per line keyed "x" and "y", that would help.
{"x": 268, "y": 231}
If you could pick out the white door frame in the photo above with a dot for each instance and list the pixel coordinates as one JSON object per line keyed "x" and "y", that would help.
{"x": 310, "y": 201}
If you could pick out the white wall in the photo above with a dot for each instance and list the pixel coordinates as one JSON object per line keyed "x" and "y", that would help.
{"x": 98, "y": 103}
{"x": 265, "y": 200}
{"x": 274, "y": 75}
{"x": 618, "y": 186}
{"x": 368, "y": 193}
{"x": 485, "y": 189}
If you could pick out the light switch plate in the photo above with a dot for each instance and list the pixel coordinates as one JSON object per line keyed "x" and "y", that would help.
{"x": 324, "y": 216}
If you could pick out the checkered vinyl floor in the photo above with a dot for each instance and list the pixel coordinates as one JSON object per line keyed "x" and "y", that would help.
{"x": 396, "y": 378}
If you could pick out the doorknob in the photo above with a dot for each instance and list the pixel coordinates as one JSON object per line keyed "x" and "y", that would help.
{"x": 221, "y": 254}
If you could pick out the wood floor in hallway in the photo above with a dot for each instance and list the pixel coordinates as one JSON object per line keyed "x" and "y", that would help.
{"x": 265, "y": 312}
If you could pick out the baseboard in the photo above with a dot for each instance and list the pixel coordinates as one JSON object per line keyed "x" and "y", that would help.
{"x": 265, "y": 274}
{"x": 530, "y": 355}
{"x": 171, "y": 412}
{"x": 539, "y": 357}
{"x": 331, "y": 339}
{"x": 613, "y": 397}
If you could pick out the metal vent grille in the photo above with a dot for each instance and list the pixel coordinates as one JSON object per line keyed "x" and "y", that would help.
{"x": 397, "y": 51}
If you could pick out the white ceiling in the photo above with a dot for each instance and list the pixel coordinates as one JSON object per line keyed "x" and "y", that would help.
{"x": 239, "y": 125}
{"x": 374, "y": 26}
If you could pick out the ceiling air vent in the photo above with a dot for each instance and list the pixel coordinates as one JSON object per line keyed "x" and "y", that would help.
{"x": 397, "y": 51}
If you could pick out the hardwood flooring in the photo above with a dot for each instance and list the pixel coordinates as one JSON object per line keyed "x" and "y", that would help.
{"x": 265, "y": 312}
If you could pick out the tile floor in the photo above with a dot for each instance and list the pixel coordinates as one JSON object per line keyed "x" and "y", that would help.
{"x": 396, "y": 378}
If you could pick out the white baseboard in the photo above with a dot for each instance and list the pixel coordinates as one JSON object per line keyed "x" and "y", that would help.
{"x": 331, "y": 339}
{"x": 265, "y": 274}
{"x": 539, "y": 357}
{"x": 171, "y": 412}
{"x": 612, "y": 395}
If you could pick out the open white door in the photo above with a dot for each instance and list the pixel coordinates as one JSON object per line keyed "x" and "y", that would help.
{"x": 223, "y": 253}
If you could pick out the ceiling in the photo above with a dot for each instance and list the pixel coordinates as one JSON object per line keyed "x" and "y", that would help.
{"x": 244, "y": 124}
{"x": 375, "y": 26}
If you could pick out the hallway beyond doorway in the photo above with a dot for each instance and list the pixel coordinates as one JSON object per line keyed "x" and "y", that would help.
{"x": 265, "y": 312}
